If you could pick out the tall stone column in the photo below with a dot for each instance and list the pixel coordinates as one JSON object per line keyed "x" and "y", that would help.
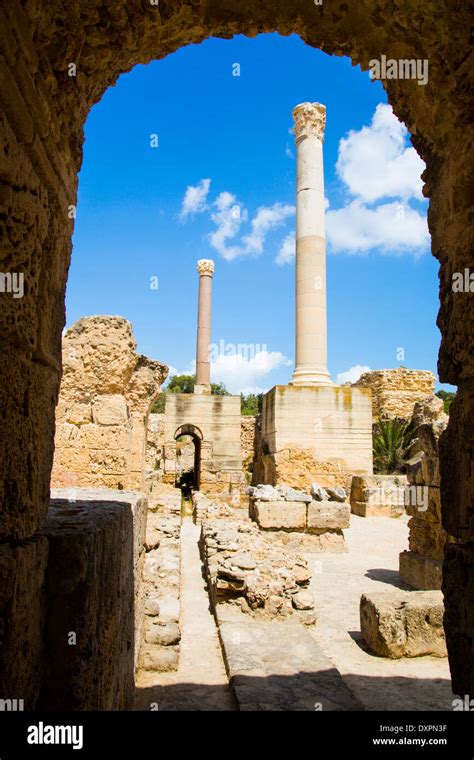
{"x": 205, "y": 268}
{"x": 311, "y": 330}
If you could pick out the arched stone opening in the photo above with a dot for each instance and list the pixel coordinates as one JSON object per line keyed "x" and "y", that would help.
{"x": 188, "y": 476}
{"x": 56, "y": 63}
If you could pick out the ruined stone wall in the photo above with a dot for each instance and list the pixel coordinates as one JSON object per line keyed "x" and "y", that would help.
{"x": 44, "y": 107}
{"x": 216, "y": 420}
{"x": 247, "y": 436}
{"x": 249, "y": 443}
{"x": 421, "y": 565}
{"x": 396, "y": 391}
{"x": 154, "y": 448}
{"x": 101, "y": 418}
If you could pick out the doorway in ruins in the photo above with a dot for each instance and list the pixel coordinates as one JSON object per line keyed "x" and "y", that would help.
{"x": 188, "y": 459}
{"x": 360, "y": 34}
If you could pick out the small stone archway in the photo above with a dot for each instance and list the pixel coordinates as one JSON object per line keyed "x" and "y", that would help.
{"x": 57, "y": 61}
{"x": 196, "y": 436}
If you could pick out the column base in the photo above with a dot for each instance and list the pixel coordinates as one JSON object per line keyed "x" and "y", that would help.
{"x": 202, "y": 390}
{"x": 311, "y": 375}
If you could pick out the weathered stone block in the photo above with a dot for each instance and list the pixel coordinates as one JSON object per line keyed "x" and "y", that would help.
{"x": 164, "y": 634}
{"x": 378, "y": 495}
{"x": 328, "y": 514}
{"x": 92, "y": 578}
{"x": 109, "y": 410}
{"x": 279, "y": 515}
{"x": 398, "y": 624}
{"x": 420, "y": 572}
{"x": 160, "y": 659}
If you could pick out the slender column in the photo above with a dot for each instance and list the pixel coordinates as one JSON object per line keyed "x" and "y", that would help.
{"x": 311, "y": 330}
{"x": 205, "y": 268}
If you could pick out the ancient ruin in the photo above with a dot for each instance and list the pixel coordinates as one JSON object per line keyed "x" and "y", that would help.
{"x": 98, "y": 608}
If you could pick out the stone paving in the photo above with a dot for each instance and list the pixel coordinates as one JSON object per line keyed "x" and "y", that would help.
{"x": 371, "y": 564}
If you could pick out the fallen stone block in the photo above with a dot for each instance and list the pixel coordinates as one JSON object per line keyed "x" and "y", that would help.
{"x": 280, "y": 515}
{"x": 318, "y": 492}
{"x": 328, "y": 514}
{"x": 397, "y": 624}
{"x": 292, "y": 494}
{"x": 336, "y": 493}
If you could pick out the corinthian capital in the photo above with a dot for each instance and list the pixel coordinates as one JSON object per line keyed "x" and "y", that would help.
{"x": 310, "y": 120}
{"x": 205, "y": 266}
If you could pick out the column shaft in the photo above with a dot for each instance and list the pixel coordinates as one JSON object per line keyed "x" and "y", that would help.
{"x": 311, "y": 326}
{"x": 203, "y": 364}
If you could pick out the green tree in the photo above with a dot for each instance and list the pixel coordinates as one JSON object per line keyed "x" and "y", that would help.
{"x": 183, "y": 384}
{"x": 393, "y": 439}
{"x": 251, "y": 404}
{"x": 447, "y": 398}
{"x": 219, "y": 389}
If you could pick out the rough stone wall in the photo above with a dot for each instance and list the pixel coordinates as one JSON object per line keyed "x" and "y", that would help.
{"x": 249, "y": 443}
{"x": 421, "y": 565}
{"x": 298, "y": 469}
{"x": 456, "y": 448}
{"x": 162, "y": 572}
{"x": 396, "y": 391}
{"x": 101, "y": 417}
{"x": 41, "y": 131}
{"x": 155, "y": 440}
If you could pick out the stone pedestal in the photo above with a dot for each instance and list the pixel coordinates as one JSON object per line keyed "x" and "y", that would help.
{"x": 315, "y": 433}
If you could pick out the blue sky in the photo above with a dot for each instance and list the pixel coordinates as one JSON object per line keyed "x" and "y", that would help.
{"x": 228, "y": 138}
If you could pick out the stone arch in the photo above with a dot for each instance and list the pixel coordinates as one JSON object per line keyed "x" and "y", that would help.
{"x": 56, "y": 63}
{"x": 189, "y": 429}
{"x": 197, "y": 437}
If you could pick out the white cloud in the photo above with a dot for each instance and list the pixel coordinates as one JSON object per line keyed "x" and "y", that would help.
{"x": 267, "y": 218}
{"x": 288, "y": 152}
{"x": 352, "y": 374}
{"x": 242, "y": 374}
{"x": 287, "y": 251}
{"x": 229, "y": 216}
{"x": 375, "y": 162}
{"x": 390, "y": 227}
{"x": 195, "y": 199}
